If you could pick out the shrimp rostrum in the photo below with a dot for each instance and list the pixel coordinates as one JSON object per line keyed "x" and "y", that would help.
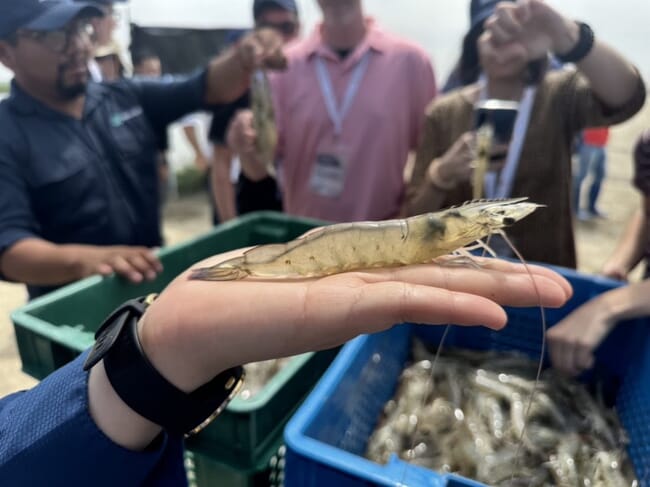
{"x": 365, "y": 245}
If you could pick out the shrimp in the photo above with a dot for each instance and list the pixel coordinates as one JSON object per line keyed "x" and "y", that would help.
{"x": 364, "y": 245}
{"x": 484, "y": 137}
{"x": 264, "y": 119}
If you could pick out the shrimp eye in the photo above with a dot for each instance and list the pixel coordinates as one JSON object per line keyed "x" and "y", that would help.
{"x": 509, "y": 220}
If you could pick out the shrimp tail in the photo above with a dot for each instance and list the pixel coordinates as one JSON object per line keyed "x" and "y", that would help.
{"x": 229, "y": 270}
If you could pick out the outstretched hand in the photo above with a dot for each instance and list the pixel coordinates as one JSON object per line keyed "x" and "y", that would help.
{"x": 197, "y": 328}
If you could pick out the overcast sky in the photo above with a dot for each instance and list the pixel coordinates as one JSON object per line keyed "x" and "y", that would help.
{"x": 437, "y": 25}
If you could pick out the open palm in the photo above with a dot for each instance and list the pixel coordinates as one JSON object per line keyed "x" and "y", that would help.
{"x": 215, "y": 325}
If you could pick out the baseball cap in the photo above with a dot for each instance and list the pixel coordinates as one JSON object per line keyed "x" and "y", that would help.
{"x": 289, "y": 5}
{"x": 480, "y": 10}
{"x": 40, "y": 14}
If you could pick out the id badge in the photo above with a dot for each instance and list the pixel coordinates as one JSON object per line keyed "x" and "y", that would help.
{"x": 328, "y": 172}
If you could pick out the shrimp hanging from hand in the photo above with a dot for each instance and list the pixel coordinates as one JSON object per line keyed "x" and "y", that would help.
{"x": 264, "y": 119}
{"x": 364, "y": 245}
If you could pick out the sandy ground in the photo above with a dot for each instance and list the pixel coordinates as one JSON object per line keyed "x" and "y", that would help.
{"x": 189, "y": 217}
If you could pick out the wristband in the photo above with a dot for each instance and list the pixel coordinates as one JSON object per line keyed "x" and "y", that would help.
{"x": 144, "y": 389}
{"x": 582, "y": 48}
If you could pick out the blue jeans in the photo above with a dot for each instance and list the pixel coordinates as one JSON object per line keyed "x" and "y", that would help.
{"x": 591, "y": 160}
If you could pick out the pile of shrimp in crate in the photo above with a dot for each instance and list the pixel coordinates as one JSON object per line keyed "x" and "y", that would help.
{"x": 486, "y": 416}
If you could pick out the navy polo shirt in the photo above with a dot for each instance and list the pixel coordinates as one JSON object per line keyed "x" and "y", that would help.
{"x": 90, "y": 181}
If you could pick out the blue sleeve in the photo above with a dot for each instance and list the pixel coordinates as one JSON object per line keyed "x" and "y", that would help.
{"x": 165, "y": 100}
{"x": 17, "y": 221}
{"x": 47, "y": 437}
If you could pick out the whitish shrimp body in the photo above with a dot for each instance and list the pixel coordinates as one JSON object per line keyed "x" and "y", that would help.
{"x": 363, "y": 245}
{"x": 263, "y": 119}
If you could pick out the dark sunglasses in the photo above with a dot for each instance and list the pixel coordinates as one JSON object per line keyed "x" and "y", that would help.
{"x": 287, "y": 28}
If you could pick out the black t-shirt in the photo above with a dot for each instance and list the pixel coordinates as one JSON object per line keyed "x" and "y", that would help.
{"x": 222, "y": 117}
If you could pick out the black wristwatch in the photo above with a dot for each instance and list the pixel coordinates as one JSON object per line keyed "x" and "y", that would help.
{"x": 143, "y": 388}
{"x": 582, "y": 47}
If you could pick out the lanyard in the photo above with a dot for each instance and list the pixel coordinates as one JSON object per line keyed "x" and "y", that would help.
{"x": 501, "y": 187}
{"x": 337, "y": 113}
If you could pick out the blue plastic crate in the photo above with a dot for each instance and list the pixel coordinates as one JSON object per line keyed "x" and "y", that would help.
{"x": 327, "y": 437}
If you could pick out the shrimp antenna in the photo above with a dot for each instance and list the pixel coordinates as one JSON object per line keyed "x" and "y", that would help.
{"x": 541, "y": 355}
{"x": 485, "y": 246}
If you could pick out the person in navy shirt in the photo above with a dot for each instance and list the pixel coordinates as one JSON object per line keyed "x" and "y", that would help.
{"x": 78, "y": 181}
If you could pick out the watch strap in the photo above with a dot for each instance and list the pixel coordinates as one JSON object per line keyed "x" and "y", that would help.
{"x": 110, "y": 329}
{"x": 582, "y": 47}
{"x": 144, "y": 389}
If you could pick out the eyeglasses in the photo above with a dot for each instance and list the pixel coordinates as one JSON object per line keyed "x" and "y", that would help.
{"x": 59, "y": 40}
{"x": 287, "y": 28}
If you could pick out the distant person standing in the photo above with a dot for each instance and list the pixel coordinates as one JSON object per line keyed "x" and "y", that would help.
{"x": 245, "y": 195}
{"x": 109, "y": 59}
{"x": 146, "y": 64}
{"x": 349, "y": 110}
{"x": 103, "y": 30}
{"x": 592, "y": 158}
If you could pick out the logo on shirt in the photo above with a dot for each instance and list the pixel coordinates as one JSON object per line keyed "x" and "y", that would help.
{"x": 119, "y": 119}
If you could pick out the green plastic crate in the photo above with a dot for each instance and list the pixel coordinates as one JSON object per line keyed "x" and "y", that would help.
{"x": 204, "y": 471}
{"x": 56, "y": 328}
{"x": 248, "y": 428}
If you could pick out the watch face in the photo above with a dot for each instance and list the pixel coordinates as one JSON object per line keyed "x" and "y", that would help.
{"x": 233, "y": 383}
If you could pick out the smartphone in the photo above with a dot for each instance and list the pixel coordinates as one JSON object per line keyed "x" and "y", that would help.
{"x": 501, "y": 114}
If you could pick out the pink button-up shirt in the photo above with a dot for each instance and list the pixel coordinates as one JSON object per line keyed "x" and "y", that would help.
{"x": 381, "y": 127}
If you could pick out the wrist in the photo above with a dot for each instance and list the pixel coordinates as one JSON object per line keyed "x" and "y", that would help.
{"x": 565, "y": 36}
{"x": 574, "y": 43}
{"x": 114, "y": 417}
{"x": 163, "y": 353}
{"x": 77, "y": 260}
{"x": 611, "y": 310}
{"x": 140, "y": 384}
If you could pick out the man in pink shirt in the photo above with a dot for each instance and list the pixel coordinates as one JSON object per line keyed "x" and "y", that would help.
{"x": 349, "y": 110}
